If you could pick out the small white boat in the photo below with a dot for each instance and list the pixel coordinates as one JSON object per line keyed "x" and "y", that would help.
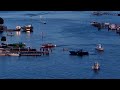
{"x": 96, "y": 66}
{"x": 18, "y": 28}
{"x": 99, "y": 47}
{"x": 13, "y": 54}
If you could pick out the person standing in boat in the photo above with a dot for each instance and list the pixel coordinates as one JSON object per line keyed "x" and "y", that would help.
{"x": 99, "y": 46}
{"x": 96, "y": 66}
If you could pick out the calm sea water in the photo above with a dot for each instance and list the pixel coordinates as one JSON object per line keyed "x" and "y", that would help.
{"x": 66, "y": 29}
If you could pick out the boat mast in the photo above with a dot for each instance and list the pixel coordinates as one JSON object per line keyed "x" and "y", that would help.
{"x": 42, "y": 34}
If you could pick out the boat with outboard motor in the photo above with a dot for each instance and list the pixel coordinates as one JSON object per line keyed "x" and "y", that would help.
{"x": 13, "y": 54}
{"x": 99, "y": 47}
{"x": 96, "y": 66}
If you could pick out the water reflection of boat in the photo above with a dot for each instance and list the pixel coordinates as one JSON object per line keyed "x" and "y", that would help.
{"x": 16, "y": 45}
{"x": 18, "y": 33}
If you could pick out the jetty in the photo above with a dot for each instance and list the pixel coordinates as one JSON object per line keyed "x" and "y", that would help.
{"x": 23, "y": 52}
{"x": 20, "y": 49}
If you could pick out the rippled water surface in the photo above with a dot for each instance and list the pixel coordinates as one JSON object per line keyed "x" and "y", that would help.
{"x": 66, "y": 29}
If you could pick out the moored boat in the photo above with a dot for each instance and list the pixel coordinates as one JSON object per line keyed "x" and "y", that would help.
{"x": 13, "y": 54}
{"x": 48, "y": 45}
{"x": 18, "y": 28}
{"x": 27, "y": 28}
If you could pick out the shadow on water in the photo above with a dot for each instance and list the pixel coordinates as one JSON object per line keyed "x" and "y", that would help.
{"x": 95, "y": 74}
{"x": 99, "y": 52}
{"x": 78, "y": 56}
{"x": 96, "y": 71}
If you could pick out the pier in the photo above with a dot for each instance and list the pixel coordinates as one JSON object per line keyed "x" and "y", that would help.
{"x": 25, "y": 52}
{"x": 9, "y": 30}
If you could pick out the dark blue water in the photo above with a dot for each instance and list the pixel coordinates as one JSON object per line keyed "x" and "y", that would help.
{"x": 66, "y": 29}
